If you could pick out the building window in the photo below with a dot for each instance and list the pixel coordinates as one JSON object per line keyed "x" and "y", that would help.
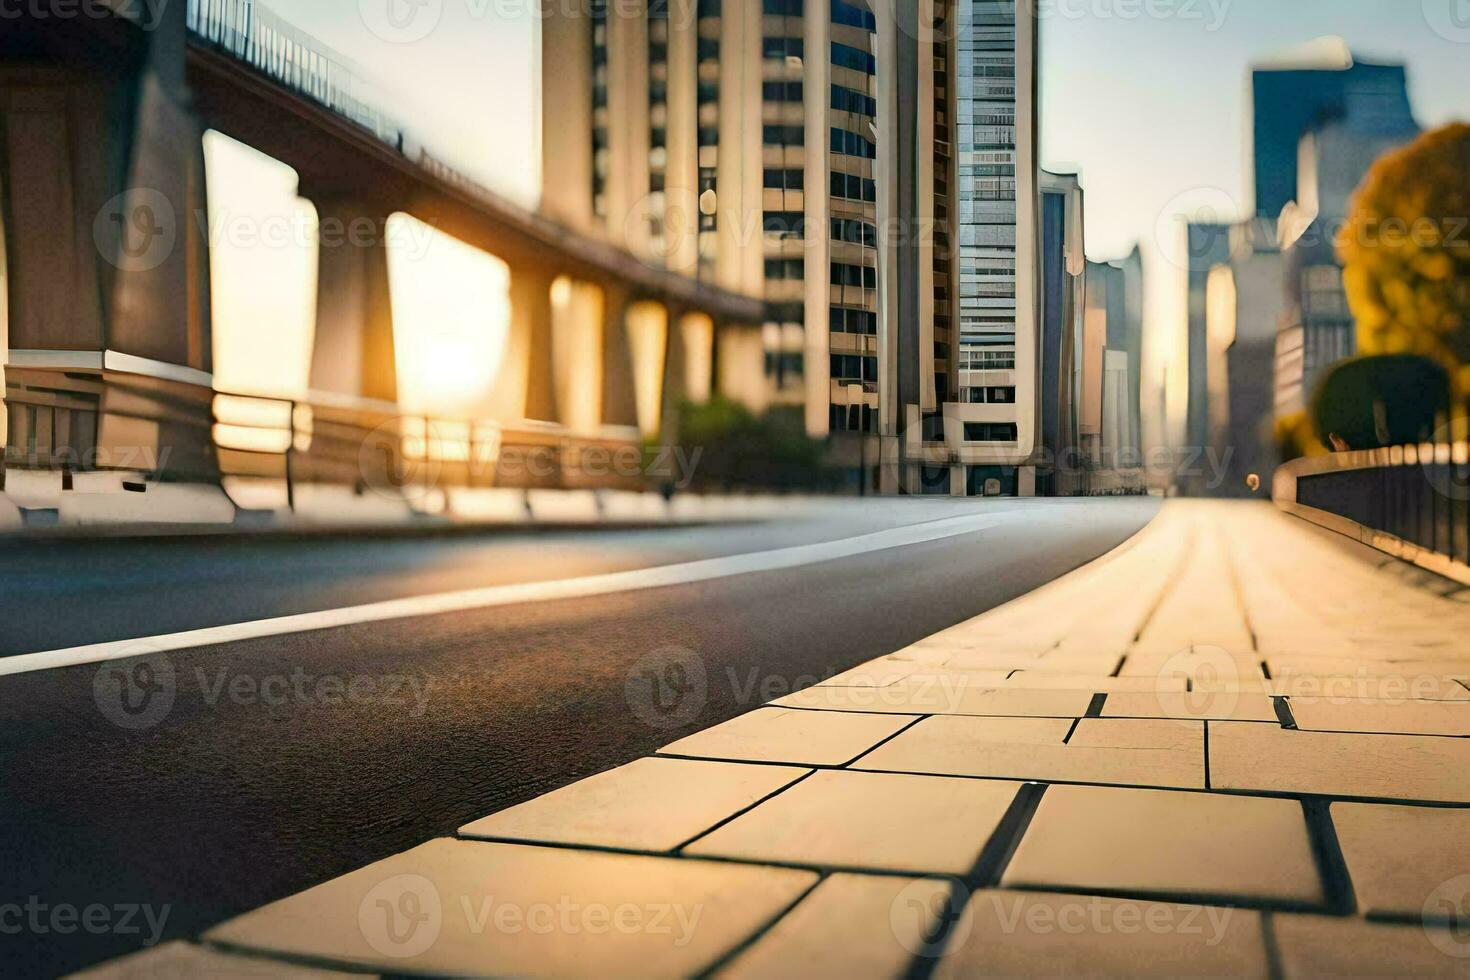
{"x": 990, "y": 432}
{"x": 981, "y": 359}
{"x": 784, "y": 135}
{"x": 790, "y": 180}
{"x": 844, "y": 274}
{"x": 844, "y": 56}
{"x": 853, "y": 15}
{"x": 854, "y": 368}
{"x": 782, "y": 47}
{"x": 781, "y": 91}
{"x": 846, "y": 100}
{"x": 854, "y": 188}
{"x": 854, "y": 232}
{"x": 786, "y": 269}
{"x": 784, "y": 224}
{"x": 852, "y": 144}
{"x": 861, "y": 322}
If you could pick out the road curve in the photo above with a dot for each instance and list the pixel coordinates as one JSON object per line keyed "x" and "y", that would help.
{"x": 282, "y": 761}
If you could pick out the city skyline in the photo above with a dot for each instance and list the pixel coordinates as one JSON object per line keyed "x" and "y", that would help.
{"x": 1156, "y": 130}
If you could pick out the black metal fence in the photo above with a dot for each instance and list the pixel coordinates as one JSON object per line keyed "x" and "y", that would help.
{"x": 1418, "y": 495}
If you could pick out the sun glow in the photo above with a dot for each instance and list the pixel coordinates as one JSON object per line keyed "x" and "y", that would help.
{"x": 451, "y": 319}
{"x": 263, "y": 271}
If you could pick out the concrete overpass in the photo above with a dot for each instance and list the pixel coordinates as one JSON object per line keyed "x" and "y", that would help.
{"x": 106, "y": 245}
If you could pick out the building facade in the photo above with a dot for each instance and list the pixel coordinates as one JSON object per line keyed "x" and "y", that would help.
{"x": 858, "y": 166}
{"x": 1110, "y": 457}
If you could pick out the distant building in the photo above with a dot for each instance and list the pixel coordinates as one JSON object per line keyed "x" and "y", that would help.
{"x": 1267, "y": 312}
{"x": 868, "y": 169}
{"x": 1110, "y": 414}
{"x": 1063, "y": 305}
{"x": 1209, "y": 248}
{"x": 1334, "y": 153}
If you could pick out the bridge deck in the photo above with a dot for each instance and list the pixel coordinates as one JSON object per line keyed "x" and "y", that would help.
{"x": 1236, "y": 745}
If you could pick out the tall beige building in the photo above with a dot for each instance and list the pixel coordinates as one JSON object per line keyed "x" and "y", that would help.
{"x": 818, "y": 154}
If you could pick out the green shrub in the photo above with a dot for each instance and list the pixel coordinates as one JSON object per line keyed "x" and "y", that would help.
{"x": 740, "y": 450}
{"x": 1382, "y": 400}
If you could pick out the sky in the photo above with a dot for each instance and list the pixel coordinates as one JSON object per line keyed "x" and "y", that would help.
{"x": 1146, "y": 98}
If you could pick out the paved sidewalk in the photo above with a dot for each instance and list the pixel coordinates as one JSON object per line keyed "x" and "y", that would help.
{"x": 1238, "y": 745}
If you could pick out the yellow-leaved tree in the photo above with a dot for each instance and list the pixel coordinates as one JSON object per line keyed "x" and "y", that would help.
{"x": 1405, "y": 251}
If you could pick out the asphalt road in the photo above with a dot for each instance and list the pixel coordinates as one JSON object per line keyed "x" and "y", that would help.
{"x": 280, "y": 762}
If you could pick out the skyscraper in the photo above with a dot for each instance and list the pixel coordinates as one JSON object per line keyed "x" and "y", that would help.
{"x": 856, "y": 164}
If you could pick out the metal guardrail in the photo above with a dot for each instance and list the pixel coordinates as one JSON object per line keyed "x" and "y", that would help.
{"x": 1410, "y": 501}
{"x": 372, "y": 447}
{"x": 258, "y": 36}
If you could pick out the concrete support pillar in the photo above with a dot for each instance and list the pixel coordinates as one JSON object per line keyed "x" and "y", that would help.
{"x": 576, "y": 352}
{"x": 101, "y": 178}
{"x": 688, "y": 369}
{"x": 353, "y": 353}
{"x": 566, "y": 124}
{"x": 740, "y": 365}
{"x": 697, "y": 335}
{"x": 648, "y": 339}
{"x": 619, "y": 402}
{"x": 525, "y": 387}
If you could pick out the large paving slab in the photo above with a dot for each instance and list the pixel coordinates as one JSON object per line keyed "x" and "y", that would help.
{"x": 1407, "y": 861}
{"x": 1126, "y": 752}
{"x": 1093, "y": 683}
{"x": 1383, "y": 717}
{"x": 947, "y": 693}
{"x": 187, "y": 961}
{"x": 1264, "y": 758}
{"x": 1020, "y": 934}
{"x": 1191, "y": 705}
{"x": 1311, "y": 946}
{"x": 849, "y": 926}
{"x": 1154, "y": 842}
{"x": 652, "y": 804}
{"x": 471, "y": 908}
{"x": 871, "y": 821}
{"x": 811, "y": 738}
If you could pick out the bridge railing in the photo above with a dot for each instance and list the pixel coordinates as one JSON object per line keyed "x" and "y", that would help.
{"x": 259, "y": 37}
{"x": 371, "y": 447}
{"x": 1410, "y": 501}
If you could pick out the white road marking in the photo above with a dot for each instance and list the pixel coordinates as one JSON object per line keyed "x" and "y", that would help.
{"x": 660, "y": 576}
